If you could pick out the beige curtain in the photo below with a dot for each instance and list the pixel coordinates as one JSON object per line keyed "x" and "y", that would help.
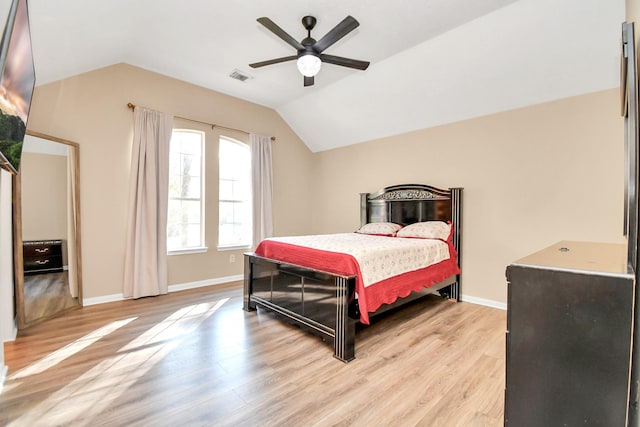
{"x": 262, "y": 187}
{"x": 145, "y": 271}
{"x": 72, "y": 223}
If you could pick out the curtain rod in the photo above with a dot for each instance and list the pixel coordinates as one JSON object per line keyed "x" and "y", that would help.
{"x": 273, "y": 138}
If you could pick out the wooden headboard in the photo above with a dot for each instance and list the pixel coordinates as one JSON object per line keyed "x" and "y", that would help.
{"x": 409, "y": 203}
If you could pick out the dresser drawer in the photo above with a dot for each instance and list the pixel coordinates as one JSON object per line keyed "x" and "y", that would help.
{"x": 40, "y": 256}
{"x": 42, "y": 264}
{"x": 42, "y": 248}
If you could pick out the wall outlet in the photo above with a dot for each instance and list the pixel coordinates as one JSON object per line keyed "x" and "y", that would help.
{"x": 232, "y": 258}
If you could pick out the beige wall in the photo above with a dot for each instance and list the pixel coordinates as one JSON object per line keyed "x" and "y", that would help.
{"x": 633, "y": 15}
{"x": 531, "y": 177}
{"x": 90, "y": 109}
{"x": 44, "y": 196}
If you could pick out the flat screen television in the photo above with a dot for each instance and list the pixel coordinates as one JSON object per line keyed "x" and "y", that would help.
{"x": 629, "y": 98}
{"x": 16, "y": 85}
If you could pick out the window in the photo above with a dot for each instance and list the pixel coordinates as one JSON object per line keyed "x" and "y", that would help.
{"x": 235, "y": 194}
{"x": 185, "y": 224}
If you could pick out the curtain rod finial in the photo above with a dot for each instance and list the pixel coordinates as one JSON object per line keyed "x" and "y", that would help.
{"x": 130, "y": 105}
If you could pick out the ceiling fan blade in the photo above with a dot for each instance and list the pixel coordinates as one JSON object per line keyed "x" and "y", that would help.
{"x": 347, "y": 25}
{"x": 308, "y": 81}
{"x": 271, "y": 26}
{"x": 345, "y": 62}
{"x": 273, "y": 61}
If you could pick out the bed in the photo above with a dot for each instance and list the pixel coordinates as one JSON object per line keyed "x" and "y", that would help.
{"x": 313, "y": 283}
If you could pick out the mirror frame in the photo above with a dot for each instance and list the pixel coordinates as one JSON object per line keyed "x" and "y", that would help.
{"x": 18, "y": 262}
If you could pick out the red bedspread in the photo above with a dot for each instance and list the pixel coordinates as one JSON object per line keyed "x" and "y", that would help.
{"x": 371, "y": 297}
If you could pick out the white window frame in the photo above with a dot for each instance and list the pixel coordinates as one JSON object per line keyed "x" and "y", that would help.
{"x": 225, "y": 246}
{"x": 201, "y": 247}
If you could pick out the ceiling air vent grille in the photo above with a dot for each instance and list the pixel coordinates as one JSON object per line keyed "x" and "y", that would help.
{"x": 239, "y": 75}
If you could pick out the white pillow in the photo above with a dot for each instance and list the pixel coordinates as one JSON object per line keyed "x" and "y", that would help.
{"x": 427, "y": 230}
{"x": 380, "y": 228}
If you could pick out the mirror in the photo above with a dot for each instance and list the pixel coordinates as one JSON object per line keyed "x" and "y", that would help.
{"x": 46, "y": 212}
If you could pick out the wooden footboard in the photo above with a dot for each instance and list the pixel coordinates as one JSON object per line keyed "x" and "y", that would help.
{"x": 305, "y": 297}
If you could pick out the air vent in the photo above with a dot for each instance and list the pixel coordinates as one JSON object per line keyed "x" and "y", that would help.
{"x": 239, "y": 75}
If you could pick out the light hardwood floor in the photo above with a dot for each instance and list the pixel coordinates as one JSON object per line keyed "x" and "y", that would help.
{"x": 47, "y": 294}
{"x": 195, "y": 358}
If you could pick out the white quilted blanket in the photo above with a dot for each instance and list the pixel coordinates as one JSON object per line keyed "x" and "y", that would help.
{"x": 379, "y": 257}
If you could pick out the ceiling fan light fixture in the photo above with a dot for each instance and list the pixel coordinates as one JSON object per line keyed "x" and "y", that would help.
{"x": 309, "y": 64}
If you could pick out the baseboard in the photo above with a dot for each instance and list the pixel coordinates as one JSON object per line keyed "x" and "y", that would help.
{"x": 4, "y": 370}
{"x": 203, "y": 283}
{"x": 13, "y": 334}
{"x": 102, "y": 299}
{"x": 485, "y": 302}
{"x": 172, "y": 288}
{"x": 3, "y": 376}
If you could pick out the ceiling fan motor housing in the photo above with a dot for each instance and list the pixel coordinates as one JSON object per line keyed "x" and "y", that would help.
{"x": 308, "y": 22}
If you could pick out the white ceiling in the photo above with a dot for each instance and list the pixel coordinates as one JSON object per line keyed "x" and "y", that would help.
{"x": 432, "y": 61}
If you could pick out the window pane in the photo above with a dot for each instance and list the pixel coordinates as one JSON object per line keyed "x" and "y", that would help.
{"x": 226, "y": 213}
{"x": 244, "y": 212}
{"x": 193, "y": 235}
{"x": 174, "y": 185}
{"x": 226, "y": 233}
{"x": 234, "y": 194}
{"x": 173, "y": 214}
{"x": 173, "y": 242}
{"x": 184, "y": 211}
{"x": 226, "y": 189}
{"x": 191, "y": 187}
{"x": 242, "y": 190}
{"x": 185, "y": 221}
{"x": 174, "y": 163}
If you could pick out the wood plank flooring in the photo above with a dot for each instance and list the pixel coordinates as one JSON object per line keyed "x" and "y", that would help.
{"x": 195, "y": 358}
{"x": 46, "y": 295}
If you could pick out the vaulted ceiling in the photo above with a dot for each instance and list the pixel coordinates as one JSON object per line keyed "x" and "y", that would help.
{"x": 432, "y": 61}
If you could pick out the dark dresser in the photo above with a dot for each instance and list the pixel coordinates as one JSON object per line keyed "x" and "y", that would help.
{"x": 569, "y": 333}
{"x": 42, "y": 256}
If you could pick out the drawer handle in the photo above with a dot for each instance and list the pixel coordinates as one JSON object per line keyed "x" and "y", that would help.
{"x": 42, "y": 262}
{"x": 42, "y": 250}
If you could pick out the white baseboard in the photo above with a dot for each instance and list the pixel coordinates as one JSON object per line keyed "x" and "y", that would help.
{"x": 102, "y": 299}
{"x": 202, "y": 283}
{"x": 3, "y": 375}
{"x": 172, "y": 288}
{"x": 13, "y": 334}
{"x": 485, "y": 302}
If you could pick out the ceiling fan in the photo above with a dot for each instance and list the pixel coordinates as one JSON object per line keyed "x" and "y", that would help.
{"x": 310, "y": 57}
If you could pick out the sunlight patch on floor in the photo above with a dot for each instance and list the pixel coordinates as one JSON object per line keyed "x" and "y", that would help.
{"x": 69, "y": 350}
{"x": 88, "y": 395}
{"x": 173, "y": 326}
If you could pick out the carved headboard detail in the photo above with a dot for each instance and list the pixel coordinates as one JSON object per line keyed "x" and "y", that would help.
{"x": 409, "y": 203}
